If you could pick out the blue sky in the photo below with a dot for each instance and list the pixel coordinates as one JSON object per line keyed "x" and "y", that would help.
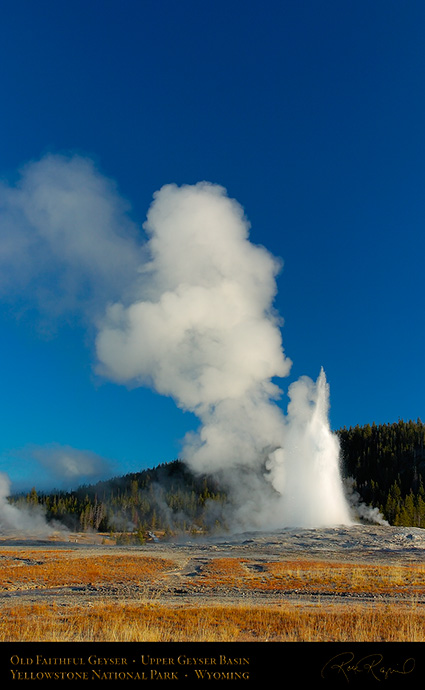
{"x": 309, "y": 113}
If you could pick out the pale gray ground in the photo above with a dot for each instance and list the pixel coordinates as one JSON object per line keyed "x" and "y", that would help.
{"x": 358, "y": 544}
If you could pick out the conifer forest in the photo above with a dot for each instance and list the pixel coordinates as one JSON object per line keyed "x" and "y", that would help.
{"x": 384, "y": 464}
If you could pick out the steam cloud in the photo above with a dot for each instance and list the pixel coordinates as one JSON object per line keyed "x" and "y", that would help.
{"x": 190, "y": 314}
{"x": 28, "y": 520}
{"x": 66, "y": 241}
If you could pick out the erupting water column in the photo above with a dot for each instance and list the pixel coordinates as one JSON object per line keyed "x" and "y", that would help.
{"x": 307, "y": 470}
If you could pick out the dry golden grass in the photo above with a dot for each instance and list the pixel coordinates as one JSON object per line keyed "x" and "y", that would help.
{"x": 29, "y": 569}
{"x": 152, "y": 620}
{"x": 34, "y": 569}
{"x": 314, "y": 576}
{"x": 148, "y": 623}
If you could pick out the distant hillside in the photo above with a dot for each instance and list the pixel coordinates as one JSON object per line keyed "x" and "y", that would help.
{"x": 167, "y": 498}
{"x": 386, "y": 464}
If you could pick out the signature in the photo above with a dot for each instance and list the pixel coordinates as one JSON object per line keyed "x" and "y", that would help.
{"x": 373, "y": 665}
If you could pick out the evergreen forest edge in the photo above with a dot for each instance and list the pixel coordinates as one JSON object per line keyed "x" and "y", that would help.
{"x": 385, "y": 464}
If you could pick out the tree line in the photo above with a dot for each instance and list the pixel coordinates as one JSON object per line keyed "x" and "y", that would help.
{"x": 168, "y": 498}
{"x": 385, "y": 464}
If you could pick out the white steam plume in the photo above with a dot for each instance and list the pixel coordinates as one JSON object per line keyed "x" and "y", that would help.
{"x": 204, "y": 332}
{"x": 65, "y": 238}
{"x": 191, "y": 315}
{"x": 28, "y": 520}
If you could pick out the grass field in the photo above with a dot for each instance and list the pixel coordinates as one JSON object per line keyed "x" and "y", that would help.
{"x": 349, "y": 601}
{"x": 107, "y": 622}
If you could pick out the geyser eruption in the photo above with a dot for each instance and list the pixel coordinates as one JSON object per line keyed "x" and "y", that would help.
{"x": 306, "y": 471}
{"x": 204, "y": 332}
{"x": 190, "y": 313}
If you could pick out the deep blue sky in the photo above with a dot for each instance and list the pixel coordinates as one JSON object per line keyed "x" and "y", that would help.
{"x": 311, "y": 114}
